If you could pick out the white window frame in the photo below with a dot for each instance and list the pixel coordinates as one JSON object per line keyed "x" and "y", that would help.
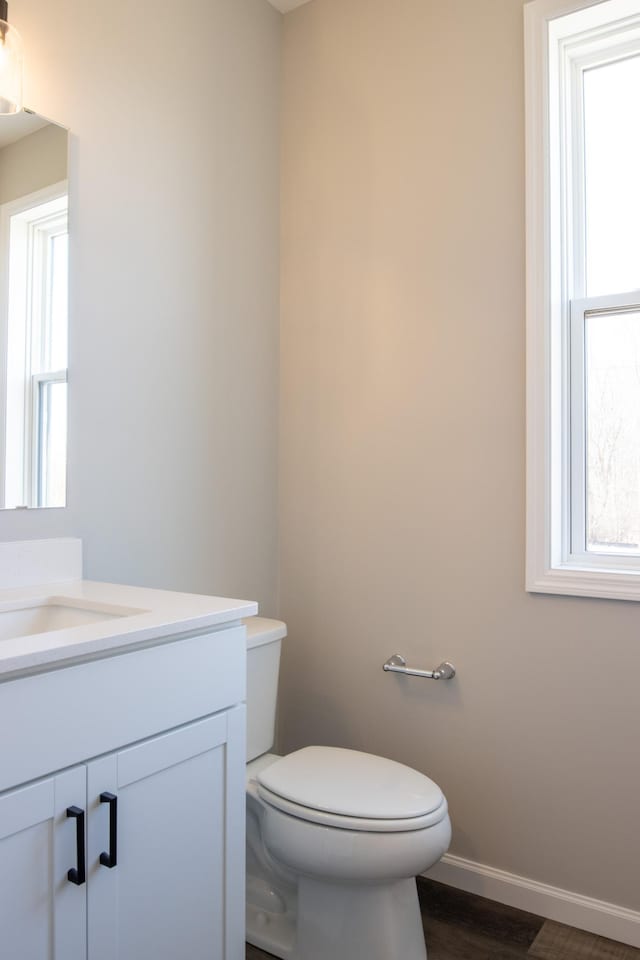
{"x": 557, "y": 559}
{"x": 19, "y": 436}
{"x": 40, "y": 492}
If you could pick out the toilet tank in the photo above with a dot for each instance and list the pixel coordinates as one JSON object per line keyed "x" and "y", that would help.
{"x": 264, "y": 638}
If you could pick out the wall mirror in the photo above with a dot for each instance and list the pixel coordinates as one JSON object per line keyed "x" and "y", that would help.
{"x": 34, "y": 278}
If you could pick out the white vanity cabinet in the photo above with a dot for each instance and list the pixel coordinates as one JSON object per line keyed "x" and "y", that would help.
{"x": 165, "y": 898}
{"x": 41, "y": 916}
{"x": 141, "y": 759}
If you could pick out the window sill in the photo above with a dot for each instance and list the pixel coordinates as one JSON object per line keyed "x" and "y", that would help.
{"x": 578, "y": 581}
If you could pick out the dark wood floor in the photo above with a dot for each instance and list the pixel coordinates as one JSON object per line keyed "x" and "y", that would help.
{"x": 461, "y": 926}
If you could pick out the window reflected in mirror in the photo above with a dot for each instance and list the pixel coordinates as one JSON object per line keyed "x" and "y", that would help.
{"x": 34, "y": 270}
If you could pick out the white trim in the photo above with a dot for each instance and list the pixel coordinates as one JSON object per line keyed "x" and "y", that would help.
{"x": 537, "y": 283}
{"x": 552, "y": 212}
{"x": 553, "y": 903}
{"x": 587, "y": 583}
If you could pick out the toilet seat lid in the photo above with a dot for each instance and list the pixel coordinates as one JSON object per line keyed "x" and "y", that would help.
{"x": 360, "y": 824}
{"x": 351, "y": 784}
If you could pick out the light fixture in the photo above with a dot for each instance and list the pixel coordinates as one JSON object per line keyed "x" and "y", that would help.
{"x": 10, "y": 65}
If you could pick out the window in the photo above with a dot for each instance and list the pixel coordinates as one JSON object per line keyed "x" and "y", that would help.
{"x": 35, "y": 259}
{"x": 583, "y": 297}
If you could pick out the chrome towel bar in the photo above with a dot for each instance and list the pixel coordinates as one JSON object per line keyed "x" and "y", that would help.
{"x": 398, "y": 664}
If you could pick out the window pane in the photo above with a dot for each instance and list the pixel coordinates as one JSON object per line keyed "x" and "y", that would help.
{"x": 53, "y": 444}
{"x": 612, "y": 161}
{"x": 59, "y": 246}
{"x": 612, "y": 361}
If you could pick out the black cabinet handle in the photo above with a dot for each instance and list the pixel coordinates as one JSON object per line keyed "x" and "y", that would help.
{"x": 110, "y": 859}
{"x": 77, "y": 874}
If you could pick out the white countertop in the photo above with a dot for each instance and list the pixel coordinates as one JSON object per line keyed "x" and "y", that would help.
{"x": 159, "y": 614}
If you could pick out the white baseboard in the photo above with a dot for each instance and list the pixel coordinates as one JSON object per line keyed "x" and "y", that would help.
{"x": 586, "y": 913}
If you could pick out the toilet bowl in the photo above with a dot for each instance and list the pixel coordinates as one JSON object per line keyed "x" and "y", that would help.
{"x": 335, "y": 838}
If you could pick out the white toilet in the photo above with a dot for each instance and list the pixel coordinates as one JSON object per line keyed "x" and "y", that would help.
{"x": 334, "y": 837}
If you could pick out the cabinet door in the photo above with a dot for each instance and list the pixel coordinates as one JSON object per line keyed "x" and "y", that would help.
{"x": 42, "y": 914}
{"x": 167, "y": 894}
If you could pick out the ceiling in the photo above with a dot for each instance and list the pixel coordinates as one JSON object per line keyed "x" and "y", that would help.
{"x": 285, "y": 5}
{"x": 19, "y": 125}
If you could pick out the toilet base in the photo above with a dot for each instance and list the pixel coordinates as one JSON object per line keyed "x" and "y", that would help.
{"x": 271, "y": 912}
{"x": 342, "y": 922}
{"x": 361, "y": 922}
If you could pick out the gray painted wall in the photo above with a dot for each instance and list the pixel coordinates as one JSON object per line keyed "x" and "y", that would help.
{"x": 34, "y": 162}
{"x": 403, "y": 448}
{"x": 174, "y": 295}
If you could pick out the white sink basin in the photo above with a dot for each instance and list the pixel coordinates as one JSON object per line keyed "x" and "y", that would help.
{"x": 44, "y": 614}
